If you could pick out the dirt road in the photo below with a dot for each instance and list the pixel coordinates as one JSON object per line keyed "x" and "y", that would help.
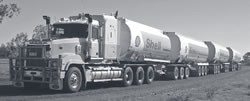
{"x": 232, "y": 86}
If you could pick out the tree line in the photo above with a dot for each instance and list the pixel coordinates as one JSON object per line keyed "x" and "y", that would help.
{"x": 11, "y": 48}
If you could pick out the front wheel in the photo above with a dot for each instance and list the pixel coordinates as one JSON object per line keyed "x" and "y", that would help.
{"x": 73, "y": 80}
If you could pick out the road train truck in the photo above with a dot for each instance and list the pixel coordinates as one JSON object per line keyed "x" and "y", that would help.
{"x": 99, "y": 48}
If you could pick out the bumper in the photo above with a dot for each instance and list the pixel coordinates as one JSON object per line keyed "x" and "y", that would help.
{"x": 21, "y": 72}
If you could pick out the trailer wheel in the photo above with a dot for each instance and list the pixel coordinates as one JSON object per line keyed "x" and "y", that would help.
{"x": 215, "y": 70}
{"x": 205, "y": 70}
{"x": 73, "y": 80}
{"x": 149, "y": 75}
{"x": 139, "y": 76}
{"x": 233, "y": 67}
{"x": 181, "y": 72}
{"x": 187, "y": 72}
{"x": 127, "y": 76}
{"x": 199, "y": 70}
{"x": 237, "y": 67}
{"x": 173, "y": 73}
{"x": 226, "y": 68}
{"x": 219, "y": 69}
{"x": 202, "y": 70}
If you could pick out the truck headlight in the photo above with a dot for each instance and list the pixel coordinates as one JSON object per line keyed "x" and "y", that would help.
{"x": 78, "y": 49}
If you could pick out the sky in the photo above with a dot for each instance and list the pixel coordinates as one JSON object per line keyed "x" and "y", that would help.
{"x": 226, "y": 22}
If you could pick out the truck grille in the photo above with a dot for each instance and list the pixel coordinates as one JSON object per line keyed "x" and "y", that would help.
{"x": 34, "y": 52}
{"x": 40, "y": 63}
{"x": 34, "y": 55}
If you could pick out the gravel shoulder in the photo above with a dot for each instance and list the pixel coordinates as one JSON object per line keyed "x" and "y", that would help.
{"x": 232, "y": 86}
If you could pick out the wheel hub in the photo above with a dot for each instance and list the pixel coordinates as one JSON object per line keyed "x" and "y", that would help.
{"x": 74, "y": 80}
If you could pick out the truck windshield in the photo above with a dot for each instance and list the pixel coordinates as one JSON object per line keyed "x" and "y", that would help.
{"x": 75, "y": 30}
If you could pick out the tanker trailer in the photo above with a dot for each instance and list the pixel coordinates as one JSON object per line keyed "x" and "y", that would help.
{"x": 234, "y": 60}
{"x": 217, "y": 58}
{"x": 141, "y": 43}
{"x": 185, "y": 50}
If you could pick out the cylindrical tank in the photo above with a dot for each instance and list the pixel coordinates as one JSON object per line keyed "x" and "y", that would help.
{"x": 141, "y": 41}
{"x": 235, "y": 56}
{"x": 217, "y": 52}
{"x": 187, "y": 49}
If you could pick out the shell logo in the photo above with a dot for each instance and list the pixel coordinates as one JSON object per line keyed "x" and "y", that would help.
{"x": 137, "y": 41}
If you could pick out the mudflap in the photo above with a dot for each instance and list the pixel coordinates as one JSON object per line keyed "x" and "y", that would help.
{"x": 56, "y": 85}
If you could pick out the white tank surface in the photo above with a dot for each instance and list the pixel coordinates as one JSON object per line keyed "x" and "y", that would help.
{"x": 141, "y": 41}
{"x": 235, "y": 56}
{"x": 217, "y": 52}
{"x": 187, "y": 49}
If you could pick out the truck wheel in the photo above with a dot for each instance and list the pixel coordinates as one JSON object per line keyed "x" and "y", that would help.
{"x": 202, "y": 70}
{"x": 127, "y": 76}
{"x": 237, "y": 67}
{"x": 215, "y": 70}
{"x": 149, "y": 75}
{"x": 73, "y": 80}
{"x": 205, "y": 70}
{"x": 187, "y": 72}
{"x": 233, "y": 68}
{"x": 199, "y": 70}
{"x": 218, "y": 69}
{"x": 226, "y": 69}
{"x": 139, "y": 76}
{"x": 173, "y": 74}
{"x": 181, "y": 72}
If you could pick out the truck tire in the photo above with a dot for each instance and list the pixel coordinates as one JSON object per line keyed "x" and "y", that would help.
{"x": 127, "y": 76}
{"x": 181, "y": 73}
{"x": 173, "y": 73}
{"x": 205, "y": 70}
{"x": 202, "y": 70}
{"x": 199, "y": 71}
{"x": 215, "y": 70}
{"x": 139, "y": 76}
{"x": 237, "y": 67}
{"x": 73, "y": 80}
{"x": 149, "y": 75}
{"x": 187, "y": 72}
{"x": 219, "y": 69}
{"x": 233, "y": 67}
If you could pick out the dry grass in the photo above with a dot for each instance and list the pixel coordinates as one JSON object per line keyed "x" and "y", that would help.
{"x": 180, "y": 98}
{"x": 210, "y": 93}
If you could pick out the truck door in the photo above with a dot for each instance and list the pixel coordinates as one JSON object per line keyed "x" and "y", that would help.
{"x": 94, "y": 43}
{"x": 110, "y": 39}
